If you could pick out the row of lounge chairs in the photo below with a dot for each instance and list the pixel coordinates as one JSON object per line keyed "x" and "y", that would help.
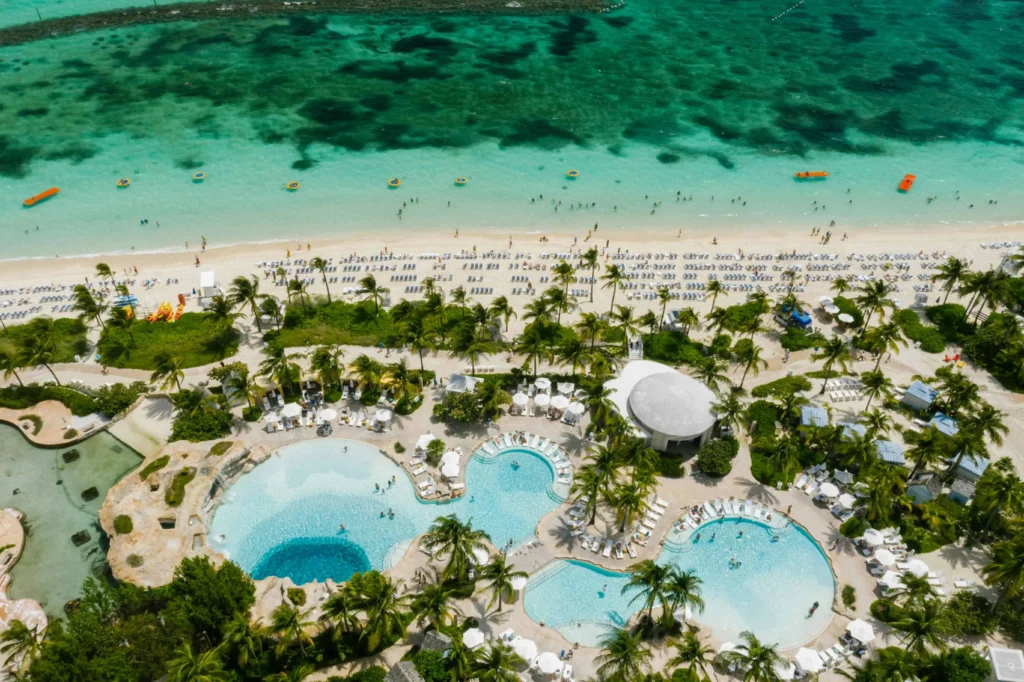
{"x": 722, "y": 508}
{"x": 549, "y": 449}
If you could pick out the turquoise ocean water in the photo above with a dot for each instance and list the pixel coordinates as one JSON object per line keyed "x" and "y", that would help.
{"x": 704, "y": 99}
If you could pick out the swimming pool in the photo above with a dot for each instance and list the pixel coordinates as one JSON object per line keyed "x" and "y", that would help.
{"x": 770, "y": 593}
{"x": 283, "y": 518}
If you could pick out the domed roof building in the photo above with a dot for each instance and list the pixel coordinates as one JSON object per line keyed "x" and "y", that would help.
{"x": 666, "y": 408}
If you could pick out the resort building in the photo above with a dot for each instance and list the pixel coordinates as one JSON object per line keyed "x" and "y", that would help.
{"x": 851, "y": 428}
{"x": 667, "y": 409}
{"x": 944, "y": 424}
{"x": 961, "y": 491}
{"x": 403, "y": 671}
{"x": 971, "y": 468}
{"x": 814, "y": 416}
{"x": 462, "y": 383}
{"x": 890, "y": 453}
{"x": 1007, "y": 664}
{"x": 919, "y": 396}
{"x": 924, "y": 487}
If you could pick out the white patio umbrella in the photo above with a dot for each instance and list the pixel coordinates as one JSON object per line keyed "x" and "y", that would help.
{"x": 328, "y": 415}
{"x": 518, "y": 583}
{"x": 917, "y": 567}
{"x": 892, "y": 580}
{"x": 565, "y": 388}
{"x": 684, "y": 614}
{"x": 473, "y": 638}
{"x": 423, "y": 441}
{"x": 831, "y": 309}
{"x": 873, "y": 536}
{"x": 825, "y": 300}
{"x": 543, "y": 383}
{"x": 577, "y": 408}
{"x": 846, "y": 318}
{"x": 884, "y": 557}
{"x": 450, "y": 470}
{"x": 480, "y": 556}
{"x": 861, "y": 631}
{"x": 560, "y": 402}
{"x": 843, "y": 476}
{"x": 549, "y": 662}
{"x": 291, "y": 410}
{"x": 808, "y": 661}
{"x": 785, "y": 670}
{"x": 542, "y": 400}
{"x": 829, "y": 490}
{"x": 526, "y": 648}
{"x": 382, "y": 416}
{"x": 847, "y": 501}
{"x": 450, "y": 457}
{"x": 520, "y": 399}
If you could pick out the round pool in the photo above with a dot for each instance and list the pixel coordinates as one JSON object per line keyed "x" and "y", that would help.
{"x": 781, "y": 573}
{"x": 284, "y": 517}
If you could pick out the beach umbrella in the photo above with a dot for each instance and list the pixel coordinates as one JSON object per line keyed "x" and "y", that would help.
{"x": 785, "y": 670}
{"x": 808, "y": 661}
{"x": 825, "y": 300}
{"x": 565, "y": 388}
{"x": 726, "y": 646}
{"x": 520, "y": 399}
{"x": 291, "y": 410}
{"x": 892, "y": 580}
{"x": 577, "y": 408}
{"x": 382, "y": 416}
{"x": 884, "y": 557}
{"x": 559, "y": 402}
{"x": 472, "y": 638}
{"x": 518, "y": 583}
{"x": 831, "y": 309}
{"x": 450, "y": 470}
{"x": 423, "y": 441}
{"x": 548, "y": 663}
{"x": 328, "y": 415}
{"x": 450, "y": 457}
{"x": 684, "y": 614}
{"x": 543, "y": 383}
{"x": 873, "y": 536}
{"x": 917, "y": 567}
{"x": 847, "y": 501}
{"x": 846, "y": 318}
{"x": 861, "y": 631}
{"x": 526, "y": 648}
{"x": 829, "y": 490}
{"x": 843, "y": 476}
{"x": 542, "y": 399}
{"x": 481, "y": 555}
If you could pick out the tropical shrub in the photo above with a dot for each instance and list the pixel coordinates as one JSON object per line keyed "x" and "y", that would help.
{"x": 70, "y": 434}
{"x": 762, "y": 415}
{"x": 797, "y": 338}
{"x": 17, "y": 397}
{"x": 220, "y": 448}
{"x": 672, "y": 348}
{"x": 853, "y": 527}
{"x": 715, "y": 457}
{"x": 123, "y": 524}
{"x": 459, "y": 407}
{"x": 399, "y": 448}
{"x": 36, "y": 421}
{"x": 297, "y": 596}
{"x": 430, "y": 665}
{"x": 114, "y": 400}
{"x": 849, "y": 307}
{"x": 849, "y": 596}
{"x": 251, "y": 414}
{"x": 963, "y": 664}
{"x": 373, "y": 674}
{"x": 435, "y": 450}
{"x": 930, "y": 338}
{"x": 785, "y": 386}
{"x": 968, "y": 615}
{"x": 670, "y": 466}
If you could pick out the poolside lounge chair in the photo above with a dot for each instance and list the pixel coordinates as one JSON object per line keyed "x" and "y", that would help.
{"x": 962, "y": 584}
{"x": 710, "y": 510}
{"x": 486, "y": 447}
{"x": 618, "y": 553}
{"x": 595, "y": 545}
{"x": 658, "y": 502}
{"x": 649, "y": 524}
{"x": 607, "y": 548}
{"x": 629, "y": 548}
{"x": 418, "y": 470}
{"x": 458, "y": 486}
{"x": 423, "y": 485}
{"x": 748, "y": 508}
{"x": 567, "y": 673}
{"x": 576, "y": 533}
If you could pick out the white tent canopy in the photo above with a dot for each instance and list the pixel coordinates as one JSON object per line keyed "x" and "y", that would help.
{"x": 328, "y": 415}
{"x": 726, "y": 646}
{"x": 861, "y": 631}
{"x": 785, "y": 670}
{"x": 844, "y": 317}
{"x": 873, "y": 536}
{"x": 847, "y": 501}
{"x": 829, "y": 490}
{"x": 808, "y": 660}
{"x": 566, "y": 388}
{"x": 382, "y": 416}
{"x": 683, "y": 615}
{"x": 884, "y": 557}
{"x": 520, "y": 399}
{"x": 549, "y": 662}
{"x": 542, "y": 399}
{"x": 460, "y": 383}
{"x": 526, "y": 648}
{"x": 543, "y": 383}
{"x": 291, "y": 410}
{"x": 480, "y": 556}
{"x": 892, "y": 580}
{"x": 843, "y": 476}
{"x": 917, "y": 567}
{"x": 560, "y": 402}
{"x": 425, "y": 440}
{"x": 450, "y": 457}
{"x": 473, "y": 638}
{"x": 450, "y": 470}
{"x": 577, "y": 408}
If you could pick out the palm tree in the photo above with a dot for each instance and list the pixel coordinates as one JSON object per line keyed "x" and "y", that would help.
{"x": 246, "y": 638}
{"x": 1006, "y": 568}
{"x": 832, "y": 352}
{"x": 930, "y": 448}
{"x": 539, "y": 309}
{"x": 589, "y": 259}
{"x": 169, "y": 370}
{"x": 986, "y": 287}
{"x": 374, "y": 292}
{"x": 280, "y": 366}
{"x": 650, "y": 581}
{"x": 497, "y": 663}
{"x": 37, "y": 351}
{"x": 893, "y": 665}
{"x": 470, "y": 347}
{"x": 416, "y": 335}
{"x": 875, "y": 384}
{"x": 400, "y": 380}
{"x": 873, "y": 296}
{"x": 500, "y": 307}
{"x": 650, "y": 320}
{"x": 710, "y": 373}
{"x": 19, "y": 641}
{"x": 729, "y": 410}
{"x": 986, "y": 421}
{"x": 665, "y": 296}
{"x": 124, "y": 320}
{"x": 289, "y": 624}
{"x": 297, "y": 287}
{"x": 189, "y": 666}
{"x": 434, "y": 307}
{"x": 715, "y": 288}
{"x": 956, "y": 391}
{"x": 951, "y": 273}
{"x": 322, "y": 265}
{"x": 693, "y": 654}
{"x": 563, "y": 273}
{"x": 326, "y": 362}
{"x": 221, "y": 309}
{"x": 103, "y": 270}
{"x": 624, "y": 320}
{"x": 368, "y": 371}
{"x": 922, "y": 627}
{"x": 246, "y": 291}
{"x": 758, "y": 660}
{"x": 435, "y": 604}
{"x": 591, "y": 483}
{"x": 294, "y": 674}
{"x": 885, "y": 337}
{"x": 840, "y": 286}
{"x": 716, "y": 320}
{"x": 999, "y": 493}
{"x": 599, "y": 405}
{"x": 340, "y": 611}
{"x": 86, "y": 305}
{"x": 876, "y": 423}
{"x": 749, "y": 358}
{"x": 683, "y": 591}
{"x": 628, "y": 502}
{"x": 9, "y": 364}
{"x": 591, "y": 325}
{"x": 534, "y": 347}
{"x": 377, "y": 597}
{"x": 613, "y": 277}
{"x": 559, "y": 301}
{"x": 574, "y": 353}
{"x": 624, "y": 656}
{"x": 688, "y": 319}
{"x": 460, "y": 298}
{"x": 270, "y": 307}
{"x": 242, "y": 383}
{"x": 499, "y": 575}
{"x": 449, "y": 536}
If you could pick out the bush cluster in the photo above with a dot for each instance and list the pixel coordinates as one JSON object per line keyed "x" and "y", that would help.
{"x": 779, "y": 388}
{"x": 154, "y": 466}
{"x": 175, "y": 494}
{"x": 114, "y": 400}
{"x": 18, "y": 397}
{"x": 930, "y": 338}
{"x": 715, "y": 457}
{"x": 123, "y": 524}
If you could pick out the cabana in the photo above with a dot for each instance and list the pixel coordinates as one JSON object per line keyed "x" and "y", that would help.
{"x": 462, "y": 383}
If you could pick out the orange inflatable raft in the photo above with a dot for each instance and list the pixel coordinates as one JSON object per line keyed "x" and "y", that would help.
{"x": 907, "y": 182}
{"x": 42, "y": 196}
{"x": 812, "y": 175}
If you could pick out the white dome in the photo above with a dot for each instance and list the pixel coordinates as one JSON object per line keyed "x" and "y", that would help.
{"x": 672, "y": 404}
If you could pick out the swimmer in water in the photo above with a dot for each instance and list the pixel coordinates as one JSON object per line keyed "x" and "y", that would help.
{"x": 740, "y": 535}
{"x": 382, "y": 515}
{"x": 341, "y": 526}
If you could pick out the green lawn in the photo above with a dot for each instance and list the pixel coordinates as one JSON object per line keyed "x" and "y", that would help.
{"x": 70, "y": 338}
{"x": 196, "y": 338}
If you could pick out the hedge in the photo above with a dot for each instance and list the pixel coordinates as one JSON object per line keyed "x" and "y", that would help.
{"x": 673, "y": 348}
{"x": 24, "y": 397}
{"x": 154, "y": 466}
{"x": 123, "y": 524}
{"x": 715, "y": 457}
{"x": 785, "y": 386}
{"x": 220, "y": 448}
{"x": 175, "y": 494}
{"x": 930, "y": 338}
{"x": 765, "y": 414}
{"x": 795, "y": 338}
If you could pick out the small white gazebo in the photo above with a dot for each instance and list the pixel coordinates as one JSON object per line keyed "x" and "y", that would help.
{"x": 918, "y": 568}
{"x": 873, "y": 536}
{"x": 884, "y": 557}
{"x": 520, "y": 399}
{"x": 327, "y": 416}
{"x": 560, "y": 402}
{"x": 549, "y": 663}
{"x": 829, "y": 490}
{"x": 450, "y": 457}
{"x": 382, "y": 417}
{"x": 472, "y": 638}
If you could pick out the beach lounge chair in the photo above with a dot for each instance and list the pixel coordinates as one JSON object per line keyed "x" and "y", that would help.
{"x": 607, "y": 549}
{"x": 423, "y": 485}
{"x": 748, "y": 509}
{"x": 576, "y": 533}
{"x": 658, "y": 502}
{"x": 418, "y": 470}
{"x": 962, "y": 584}
{"x": 649, "y": 524}
{"x": 710, "y": 510}
{"x": 458, "y": 486}
{"x": 595, "y": 545}
{"x": 618, "y": 553}
{"x": 567, "y": 673}
{"x": 629, "y": 548}
{"x": 727, "y": 506}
